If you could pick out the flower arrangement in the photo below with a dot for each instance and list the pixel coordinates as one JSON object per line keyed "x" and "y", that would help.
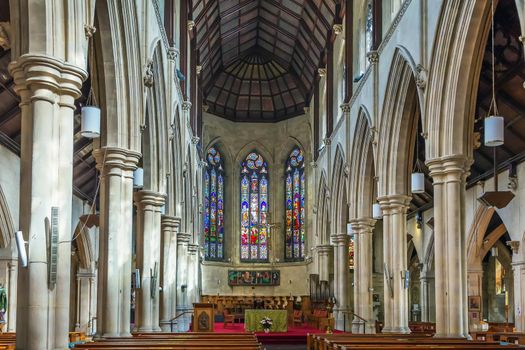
{"x": 266, "y": 324}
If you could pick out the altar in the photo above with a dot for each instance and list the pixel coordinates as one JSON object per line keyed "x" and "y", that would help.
{"x": 252, "y": 320}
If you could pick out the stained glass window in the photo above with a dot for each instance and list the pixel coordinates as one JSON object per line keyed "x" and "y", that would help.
{"x": 369, "y": 27}
{"x": 295, "y": 192}
{"x": 214, "y": 206}
{"x": 254, "y": 208}
{"x": 351, "y": 250}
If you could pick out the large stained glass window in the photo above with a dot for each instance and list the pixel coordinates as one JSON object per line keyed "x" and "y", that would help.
{"x": 295, "y": 192}
{"x": 254, "y": 208}
{"x": 214, "y": 206}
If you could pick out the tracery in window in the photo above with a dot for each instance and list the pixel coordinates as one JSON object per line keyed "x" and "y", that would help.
{"x": 254, "y": 208}
{"x": 295, "y": 192}
{"x": 214, "y": 206}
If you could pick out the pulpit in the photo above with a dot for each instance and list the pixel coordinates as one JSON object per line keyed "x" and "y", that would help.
{"x": 203, "y": 317}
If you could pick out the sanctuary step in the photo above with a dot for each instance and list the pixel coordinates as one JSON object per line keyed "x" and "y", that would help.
{"x": 166, "y": 341}
{"x": 348, "y": 341}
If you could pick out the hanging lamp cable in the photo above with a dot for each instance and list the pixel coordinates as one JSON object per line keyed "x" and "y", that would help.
{"x": 493, "y": 103}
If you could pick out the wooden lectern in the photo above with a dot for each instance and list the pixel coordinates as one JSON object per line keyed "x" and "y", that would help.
{"x": 203, "y": 317}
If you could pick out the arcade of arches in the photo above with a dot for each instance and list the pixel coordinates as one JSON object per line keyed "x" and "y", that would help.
{"x": 267, "y": 131}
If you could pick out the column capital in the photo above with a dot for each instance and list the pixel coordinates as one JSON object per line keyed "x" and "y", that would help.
{"x": 170, "y": 221}
{"x": 325, "y": 248}
{"x": 456, "y": 166}
{"x": 183, "y": 237}
{"x": 363, "y": 225}
{"x": 345, "y": 107}
{"x": 37, "y": 73}
{"x": 186, "y": 106}
{"x": 514, "y": 246}
{"x": 394, "y": 203}
{"x": 144, "y": 198}
{"x": 115, "y": 157}
{"x": 339, "y": 238}
{"x": 193, "y": 248}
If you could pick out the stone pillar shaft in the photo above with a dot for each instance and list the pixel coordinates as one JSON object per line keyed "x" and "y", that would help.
{"x": 48, "y": 88}
{"x": 324, "y": 252}
{"x": 341, "y": 277}
{"x": 11, "y": 295}
{"x": 116, "y": 166}
{"x": 394, "y": 209}
{"x": 363, "y": 230}
{"x": 424, "y": 297}
{"x": 170, "y": 226}
{"x": 182, "y": 271}
{"x": 450, "y": 248}
{"x": 148, "y": 258}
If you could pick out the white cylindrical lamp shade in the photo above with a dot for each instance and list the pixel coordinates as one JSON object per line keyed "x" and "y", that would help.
{"x": 138, "y": 178}
{"x": 90, "y": 123}
{"x": 377, "y": 213}
{"x": 418, "y": 182}
{"x": 494, "y": 131}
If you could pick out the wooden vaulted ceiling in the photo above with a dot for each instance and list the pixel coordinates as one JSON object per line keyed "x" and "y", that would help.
{"x": 259, "y": 57}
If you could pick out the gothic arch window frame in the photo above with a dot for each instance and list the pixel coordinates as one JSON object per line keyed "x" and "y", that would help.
{"x": 254, "y": 208}
{"x": 295, "y": 206}
{"x": 214, "y": 205}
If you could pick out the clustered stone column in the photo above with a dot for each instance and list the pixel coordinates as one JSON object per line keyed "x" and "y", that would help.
{"x": 149, "y": 205}
{"x": 193, "y": 274}
{"x": 518, "y": 269}
{"x": 449, "y": 175}
{"x": 425, "y": 279}
{"x": 48, "y": 88}
{"x": 84, "y": 300}
{"x": 11, "y": 294}
{"x": 116, "y": 167}
{"x": 394, "y": 209}
{"x": 170, "y": 226}
{"x": 341, "y": 276}
{"x": 363, "y": 282}
{"x": 324, "y": 252}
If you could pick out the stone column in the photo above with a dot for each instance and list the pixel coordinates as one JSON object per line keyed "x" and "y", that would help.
{"x": 341, "y": 276}
{"x": 148, "y": 204}
{"x": 193, "y": 274}
{"x": 449, "y": 174}
{"x": 84, "y": 296}
{"x": 170, "y": 226}
{"x": 11, "y": 295}
{"x": 48, "y": 88}
{"x": 394, "y": 209}
{"x": 518, "y": 272}
{"x": 182, "y": 272}
{"x": 116, "y": 167}
{"x": 424, "y": 280}
{"x": 324, "y": 252}
{"x": 363, "y": 280}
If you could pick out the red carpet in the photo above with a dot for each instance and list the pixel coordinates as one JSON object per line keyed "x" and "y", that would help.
{"x": 295, "y": 335}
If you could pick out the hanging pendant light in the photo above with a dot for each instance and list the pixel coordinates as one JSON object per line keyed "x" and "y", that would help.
{"x": 494, "y": 131}
{"x": 90, "y": 124}
{"x": 377, "y": 213}
{"x": 494, "y": 125}
{"x": 138, "y": 178}
{"x": 418, "y": 182}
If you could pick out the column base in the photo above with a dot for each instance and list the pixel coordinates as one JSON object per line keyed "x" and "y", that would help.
{"x": 401, "y": 330}
{"x": 456, "y": 336}
{"x": 125, "y": 335}
{"x": 357, "y": 326}
{"x": 165, "y": 326}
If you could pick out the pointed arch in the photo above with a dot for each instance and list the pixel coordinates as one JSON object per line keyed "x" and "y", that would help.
{"x": 6, "y": 222}
{"x": 84, "y": 246}
{"x": 339, "y": 188}
{"x": 323, "y": 219}
{"x": 398, "y": 128}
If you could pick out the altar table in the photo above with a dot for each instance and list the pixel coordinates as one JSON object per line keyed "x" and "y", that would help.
{"x": 252, "y": 320}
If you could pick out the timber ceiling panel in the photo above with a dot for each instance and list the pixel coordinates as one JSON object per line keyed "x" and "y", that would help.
{"x": 241, "y": 42}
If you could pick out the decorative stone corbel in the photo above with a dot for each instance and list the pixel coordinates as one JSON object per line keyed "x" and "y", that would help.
{"x": 195, "y": 140}
{"x": 322, "y": 72}
{"x": 5, "y": 29}
{"x": 346, "y": 169}
{"x": 373, "y": 57}
{"x": 173, "y": 52}
{"x": 514, "y": 246}
{"x": 148, "y": 74}
{"x": 373, "y": 134}
{"x": 89, "y": 30}
{"x": 476, "y": 140}
{"x": 421, "y": 77}
{"x": 198, "y": 69}
{"x": 205, "y": 107}
{"x": 345, "y": 108}
{"x": 313, "y": 164}
{"x": 186, "y": 106}
{"x": 191, "y": 25}
{"x": 306, "y": 110}
{"x": 513, "y": 183}
{"x": 338, "y": 29}
{"x": 327, "y": 141}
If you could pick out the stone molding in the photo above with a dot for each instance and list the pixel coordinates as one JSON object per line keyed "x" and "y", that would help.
{"x": 167, "y": 221}
{"x": 115, "y": 157}
{"x": 145, "y": 198}
{"x": 455, "y": 166}
{"x": 339, "y": 238}
{"x": 363, "y": 225}
{"x": 325, "y": 248}
{"x": 394, "y": 203}
{"x": 514, "y": 246}
{"x": 183, "y": 237}
{"x": 38, "y": 77}
{"x": 193, "y": 248}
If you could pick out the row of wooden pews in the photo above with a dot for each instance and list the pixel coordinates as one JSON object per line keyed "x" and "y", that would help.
{"x": 168, "y": 341}
{"x": 348, "y": 341}
{"x": 7, "y": 341}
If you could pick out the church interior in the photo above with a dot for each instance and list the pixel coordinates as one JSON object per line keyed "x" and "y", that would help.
{"x": 247, "y": 174}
